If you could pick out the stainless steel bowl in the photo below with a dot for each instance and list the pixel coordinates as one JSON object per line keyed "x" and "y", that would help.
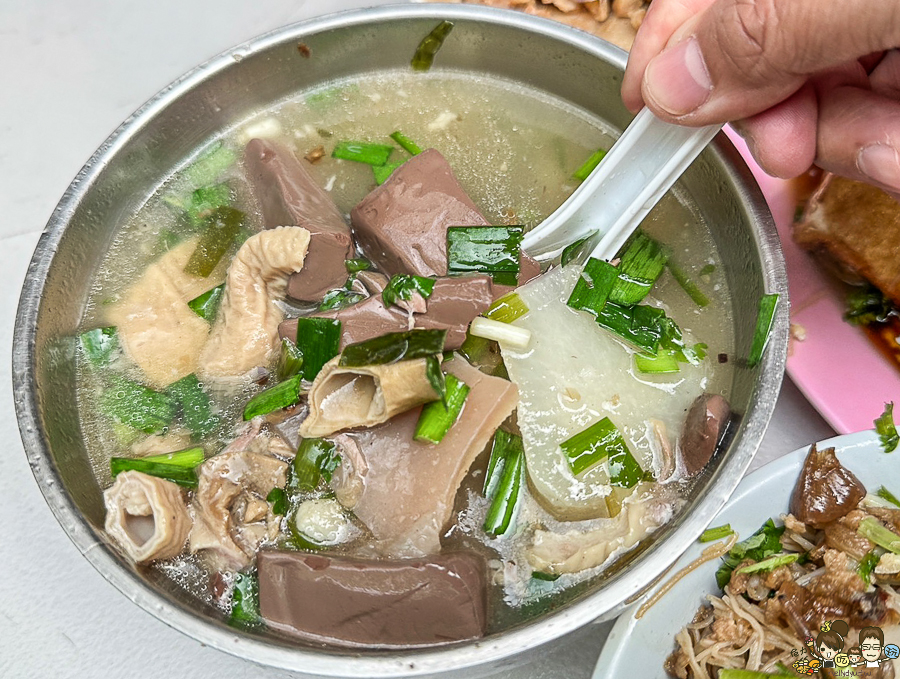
{"x": 125, "y": 171}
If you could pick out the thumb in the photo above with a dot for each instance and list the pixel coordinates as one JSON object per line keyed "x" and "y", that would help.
{"x": 740, "y": 57}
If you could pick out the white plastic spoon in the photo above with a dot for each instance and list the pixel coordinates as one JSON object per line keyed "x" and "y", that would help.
{"x": 641, "y": 166}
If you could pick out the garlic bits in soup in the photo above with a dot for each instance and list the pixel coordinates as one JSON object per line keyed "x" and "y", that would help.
{"x": 327, "y": 393}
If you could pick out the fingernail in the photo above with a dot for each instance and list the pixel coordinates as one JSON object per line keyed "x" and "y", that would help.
{"x": 880, "y": 163}
{"x": 678, "y": 80}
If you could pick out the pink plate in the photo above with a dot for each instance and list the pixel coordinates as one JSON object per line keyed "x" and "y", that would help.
{"x": 836, "y": 366}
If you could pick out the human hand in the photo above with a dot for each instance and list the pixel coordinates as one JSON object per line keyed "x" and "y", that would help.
{"x": 804, "y": 81}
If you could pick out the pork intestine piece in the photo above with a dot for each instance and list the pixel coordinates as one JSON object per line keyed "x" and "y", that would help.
{"x": 157, "y": 329}
{"x": 246, "y": 328}
{"x": 146, "y": 516}
{"x": 408, "y": 486}
{"x": 576, "y": 550}
{"x": 343, "y": 397}
{"x": 230, "y": 513}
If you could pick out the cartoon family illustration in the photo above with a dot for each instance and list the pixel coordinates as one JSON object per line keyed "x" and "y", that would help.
{"x": 827, "y": 650}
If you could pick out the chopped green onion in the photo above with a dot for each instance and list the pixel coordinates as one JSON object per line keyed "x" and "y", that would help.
{"x": 872, "y": 530}
{"x": 503, "y": 441}
{"x": 279, "y": 499}
{"x": 867, "y": 566}
{"x": 546, "y": 577}
{"x": 575, "y": 250}
{"x": 642, "y": 264}
{"x": 507, "y": 309}
{"x": 428, "y": 48}
{"x": 362, "y": 152}
{"x": 764, "y": 543}
{"x": 280, "y": 396}
{"x": 436, "y": 417}
{"x": 406, "y": 143}
{"x": 357, "y": 265}
{"x": 290, "y": 361}
{"x": 99, "y": 343}
{"x": 383, "y": 172}
{"x": 512, "y": 336}
{"x": 693, "y": 355}
{"x": 316, "y": 459}
{"x": 717, "y": 533}
{"x": 204, "y": 200}
{"x": 764, "y": 321}
{"x": 641, "y": 325}
{"x": 402, "y": 286}
{"x": 771, "y": 563}
{"x": 222, "y": 227}
{"x": 208, "y": 167}
{"x": 138, "y": 406}
{"x": 183, "y": 476}
{"x": 664, "y": 362}
{"x": 867, "y": 305}
{"x": 491, "y": 250}
{"x": 593, "y": 161}
{"x": 602, "y": 441}
{"x": 508, "y": 486}
{"x": 885, "y": 494}
{"x": 318, "y": 339}
{"x": 887, "y": 431}
{"x": 340, "y": 298}
{"x": 245, "y": 600}
{"x": 748, "y": 674}
{"x": 196, "y": 406}
{"x": 393, "y": 347}
{"x": 475, "y": 349}
{"x": 189, "y": 457}
{"x": 206, "y": 306}
{"x": 695, "y": 293}
{"x": 596, "y": 281}
{"x": 436, "y": 377}
{"x": 707, "y": 270}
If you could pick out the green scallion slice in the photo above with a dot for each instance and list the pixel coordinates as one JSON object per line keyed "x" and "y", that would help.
{"x": 764, "y": 321}
{"x": 749, "y": 674}
{"x": 203, "y": 201}
{"x": 402, "y": 286}
{"x": 603, "y": 441}
{"x": 771, "y": 563}
{"x": 357, "y": 265}
{"x": 428, "y": 48}
{"x": 393, "y": 347}
{"x": 99, "y": 344}
{"x": 437, "y": 417}
{"x": 708, "y": 270}
{"x": 280, "y": 502}
{"x": 507, "y": 309}
{"x": 501, "y": 445}
{"x": 340, "y": 298}
{"x": 222, "y": 228}
{"x": 189, "y": 457}
{"x": 886, "y": 430}
{"x": 436, "y": 377}
{"x": 290, "y": 360}
{"x": 196, "y": 406}
{"x": 183, "y": 476}
{"x": 316, "y": 459}
{"x": 492, "y": 250}
{"x": 508, "y": 486}
{"x": 206, "y": 306}
{"x": 383, "y": 172}
{"x": 245, "y": 600}
{"x": 694, "y": 292}
{"x": 593, "y": 161}
{"x": 362, "y": 152}
{"x": 872, "y": 530}
{"x": 210, "y": 166}
{"x": 574, "y": 251}
{"x": 641, "y": 265}
{"x": 137, "y": 406}
{"x": 318, "y": 339}
{"x": 596, "y": 281}
{"x": 406, "y": 143}
{"x": 885, "y": 494}
{"x": 280, "y": 396}
{"x": 867, "y": 566}
{"x": 545, "y": 577}
{"x": 641, "y": 325}
{"x": 717, "y": 533}
{"x": 664, "y": 362}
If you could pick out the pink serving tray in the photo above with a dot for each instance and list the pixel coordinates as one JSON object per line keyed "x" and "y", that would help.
{"x": 842, "y": 373}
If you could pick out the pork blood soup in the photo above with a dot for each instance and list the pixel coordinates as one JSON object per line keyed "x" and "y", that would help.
{"x": 292, "y": 411}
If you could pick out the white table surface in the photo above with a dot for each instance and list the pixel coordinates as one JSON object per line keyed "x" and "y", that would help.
{"x": 70, "y": 72}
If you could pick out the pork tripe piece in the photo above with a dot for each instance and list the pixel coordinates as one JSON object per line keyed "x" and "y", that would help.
{"x": 146, "y": 516}
{"x": 358, "y": 602}
{"x": 344, "y": 397}
{"x": 156, "y": 327}
{"x": 231, "y": 515}
{"x": 576, "y": 550}
{"x": 246, "y": 328}
{"x": 289, "y": 196}
{"x": 408, "y": 486}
